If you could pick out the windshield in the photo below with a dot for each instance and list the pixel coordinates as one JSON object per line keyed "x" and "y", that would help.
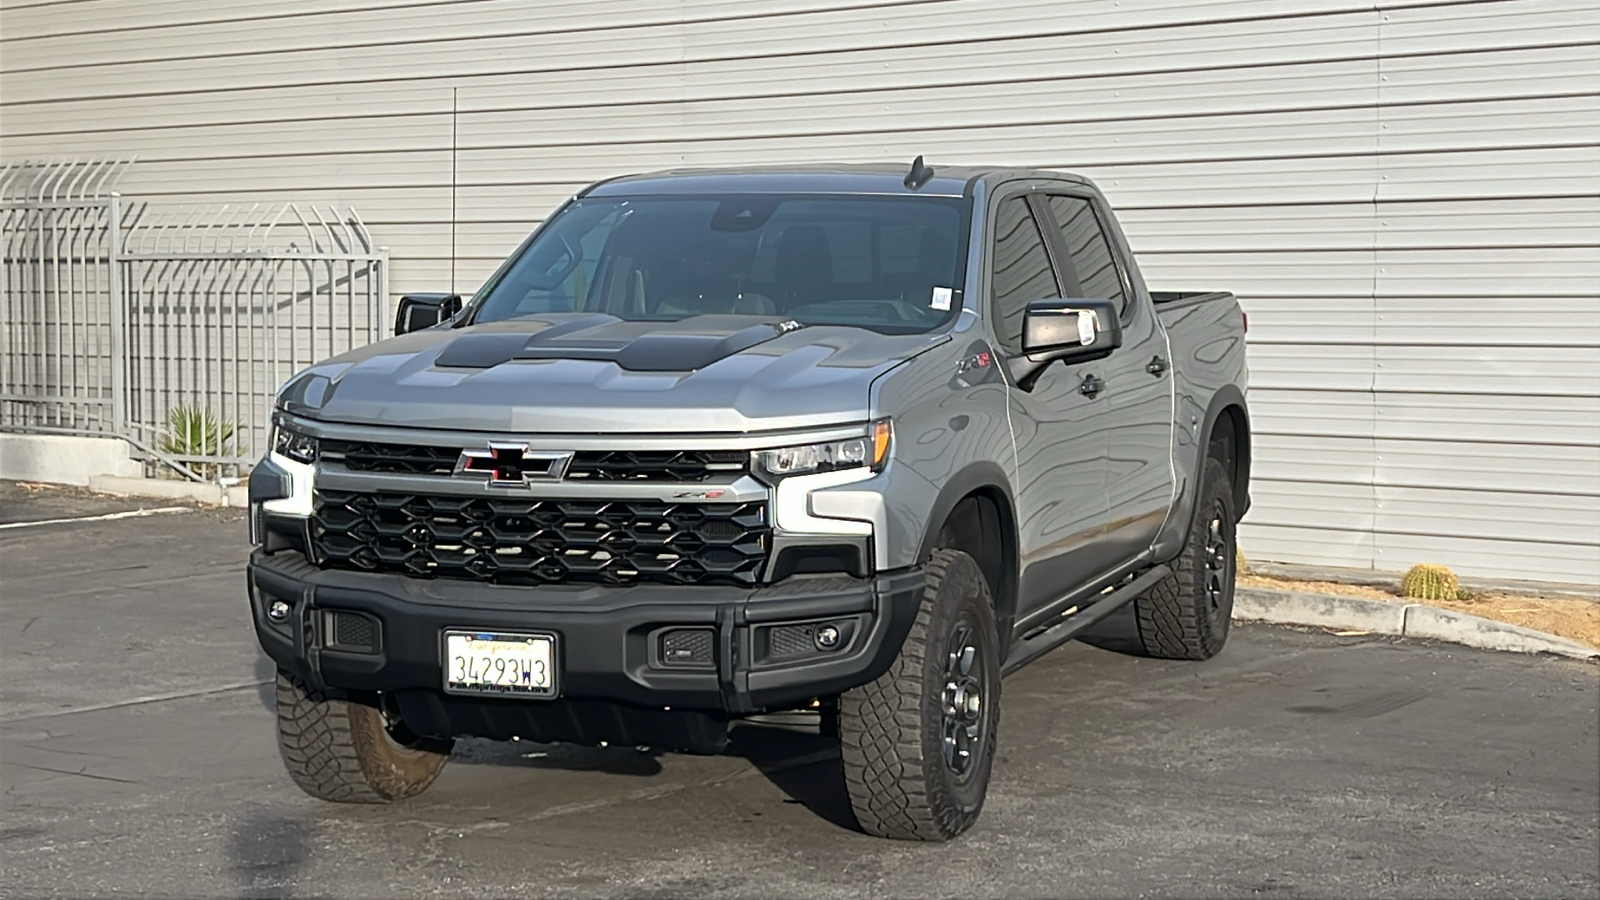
{"x": 891, "y": 264}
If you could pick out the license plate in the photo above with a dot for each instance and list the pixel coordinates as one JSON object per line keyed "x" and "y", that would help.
{"x": 505, "y": 665}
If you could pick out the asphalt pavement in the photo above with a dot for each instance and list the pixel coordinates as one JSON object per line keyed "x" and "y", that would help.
{"x": 137, "y": 757}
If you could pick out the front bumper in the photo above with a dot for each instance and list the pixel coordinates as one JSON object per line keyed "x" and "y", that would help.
{"x": 609, "y": 637}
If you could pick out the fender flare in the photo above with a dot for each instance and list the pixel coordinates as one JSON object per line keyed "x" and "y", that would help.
{"x": 1229, "y": 396}
{"x": 1169, "y": 543}
{"x": 983, "y": 475}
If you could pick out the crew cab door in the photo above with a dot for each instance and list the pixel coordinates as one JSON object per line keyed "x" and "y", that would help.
{"x": 1136, "y": 413}
{"x": 1056, "y": 424}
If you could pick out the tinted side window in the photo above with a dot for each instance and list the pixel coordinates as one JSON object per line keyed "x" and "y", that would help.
{"x": 1021, "y": 269}
{"x": 1090, "y": 262}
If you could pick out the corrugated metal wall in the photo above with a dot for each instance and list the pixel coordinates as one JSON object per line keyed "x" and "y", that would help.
{"x": 1405, "y": 194}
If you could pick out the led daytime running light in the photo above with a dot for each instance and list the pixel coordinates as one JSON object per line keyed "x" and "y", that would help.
{"x": 294, "y": 445}
{"x": 870, "y": 451}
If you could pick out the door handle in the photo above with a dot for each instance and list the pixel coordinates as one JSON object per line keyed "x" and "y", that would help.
{"x": 1091, "y": 386}
{"x": 1157, "y": 366}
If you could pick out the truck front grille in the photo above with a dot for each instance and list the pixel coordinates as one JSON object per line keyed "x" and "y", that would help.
{"x": 528, "y": 541}
{"x": 408, "y": 459}
{"x": 657, "y": 465}
{"x": 691, "y": 466}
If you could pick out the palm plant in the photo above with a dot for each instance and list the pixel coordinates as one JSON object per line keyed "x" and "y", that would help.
{"x": 193, "y": 431}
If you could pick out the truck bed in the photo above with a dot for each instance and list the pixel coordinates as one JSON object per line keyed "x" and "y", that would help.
{"x": 1163, "y": 298}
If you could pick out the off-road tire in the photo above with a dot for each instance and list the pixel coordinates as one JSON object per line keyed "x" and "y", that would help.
{"x": 338, "y": 749}
{"x": 892, "y": 731}
{"x": 1179, "y": 617}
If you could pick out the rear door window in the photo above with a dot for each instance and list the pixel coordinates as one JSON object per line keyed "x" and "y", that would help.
{"x": 1090, "y": 265}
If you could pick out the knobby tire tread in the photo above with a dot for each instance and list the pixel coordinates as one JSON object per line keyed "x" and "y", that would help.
{"x": 1172, "y": 614}
{"x": 332, "y": 752}
{"x": 893, "y": 785}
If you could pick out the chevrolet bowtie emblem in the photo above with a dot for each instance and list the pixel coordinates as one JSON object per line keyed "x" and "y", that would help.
{"x": 510, "y": 464}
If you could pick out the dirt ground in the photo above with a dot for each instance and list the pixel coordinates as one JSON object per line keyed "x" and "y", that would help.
{"x": 1570, "y": 617}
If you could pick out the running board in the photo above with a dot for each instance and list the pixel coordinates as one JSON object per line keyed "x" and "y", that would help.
{"x": 1029, "y": 649}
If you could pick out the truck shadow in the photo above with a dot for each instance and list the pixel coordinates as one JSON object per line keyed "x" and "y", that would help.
{"x": 266, "y": 671}
{"x": 791, "y": 755}
{"x": 801, "y": 763}
{"x": 562, "y": 757}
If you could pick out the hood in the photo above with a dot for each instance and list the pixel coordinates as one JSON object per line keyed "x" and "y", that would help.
{"x": 597, "y": 374}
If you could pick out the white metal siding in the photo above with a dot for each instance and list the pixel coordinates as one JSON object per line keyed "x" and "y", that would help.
{"x": 1406, "y": 195}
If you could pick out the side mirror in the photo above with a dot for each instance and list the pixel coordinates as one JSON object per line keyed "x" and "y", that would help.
{"x": 1071, "y": 330}
{"x": 418, "y": 311}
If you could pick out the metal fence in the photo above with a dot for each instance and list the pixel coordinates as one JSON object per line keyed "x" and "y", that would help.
{"x": 170, "y": 328}
{"x": 57, "y": 224}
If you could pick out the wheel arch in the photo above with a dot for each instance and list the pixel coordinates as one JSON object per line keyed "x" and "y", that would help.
{"x": 975, "y": 512}
{"x": 1226, "y": 424}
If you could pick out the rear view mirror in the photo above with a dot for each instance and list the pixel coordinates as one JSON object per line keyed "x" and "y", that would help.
{"x": 1072, "y": 330}
{"x": 418, "y": 311}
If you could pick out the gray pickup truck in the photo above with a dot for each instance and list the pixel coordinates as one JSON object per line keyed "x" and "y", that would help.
{"x": 713, "y": 444}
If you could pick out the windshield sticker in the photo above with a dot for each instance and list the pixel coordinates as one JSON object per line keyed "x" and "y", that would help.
{"x": 941, "y": 298}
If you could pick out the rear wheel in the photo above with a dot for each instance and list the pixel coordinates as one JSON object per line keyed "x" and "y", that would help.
{"x": 918, "y": 743}
{"x": 336, "y": 748}
{"x": 1187, "y": 614}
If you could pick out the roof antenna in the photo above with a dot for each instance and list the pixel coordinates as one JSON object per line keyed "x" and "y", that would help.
{"x": 919, "y": 174}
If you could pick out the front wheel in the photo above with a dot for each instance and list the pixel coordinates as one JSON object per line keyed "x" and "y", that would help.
{"x": 1186, "y": 615}
{"x": 918, "y": 743}
{"x": 339, "y": 749}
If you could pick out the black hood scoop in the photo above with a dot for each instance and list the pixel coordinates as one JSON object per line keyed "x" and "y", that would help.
{"x": 684, "y": 346}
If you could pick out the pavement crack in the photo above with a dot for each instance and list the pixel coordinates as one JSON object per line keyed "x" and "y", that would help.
{"x": 80, "y": 773}
{"x": 70, "y": 752}
{"x": 136, "y": 701}
{"x": 217, "y": 570}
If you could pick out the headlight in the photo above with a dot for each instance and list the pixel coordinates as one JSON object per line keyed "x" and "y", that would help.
{"x": 870, "y": 450}
{"x": 295, "y": 445}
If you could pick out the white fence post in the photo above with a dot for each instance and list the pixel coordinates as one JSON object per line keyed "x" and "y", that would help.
{"x": 116, "y": 303}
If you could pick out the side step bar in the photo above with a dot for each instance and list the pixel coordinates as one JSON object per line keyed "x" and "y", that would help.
{"x": 1029, "y": 649}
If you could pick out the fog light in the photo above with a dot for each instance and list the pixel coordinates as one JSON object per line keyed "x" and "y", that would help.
{"x": 278, "y": 611}
{"x": 827, "y": 637}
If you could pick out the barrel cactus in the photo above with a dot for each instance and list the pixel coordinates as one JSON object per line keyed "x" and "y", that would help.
{"x": 1428, "y": 582}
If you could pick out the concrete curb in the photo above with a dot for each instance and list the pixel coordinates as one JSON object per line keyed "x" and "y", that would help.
{"x": 1381, "y": 578}
{"x": 209, "y": 494}
{"x": 1404, "y": 619}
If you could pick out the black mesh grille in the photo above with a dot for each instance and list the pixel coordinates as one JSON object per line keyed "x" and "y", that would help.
{"x": 658, "y": 465}
{"x": 411, "y": 459}
{"x": 687, "y": 647}
{"x": 527, "y": 541}
{"x": 592, "y": 465}
{"x": 793, "y": 640}
{"x": 354, "y": 630}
